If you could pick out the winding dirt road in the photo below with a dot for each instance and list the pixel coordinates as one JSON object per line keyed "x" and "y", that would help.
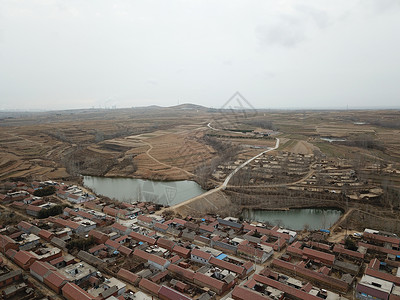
{"x": 225, "y": 183}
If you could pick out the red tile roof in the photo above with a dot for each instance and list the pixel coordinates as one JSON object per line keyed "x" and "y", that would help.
{"x": 382, "y": 238}
{"x": 25, "y": 225}
{"x": 41, "y": 268}
{"x": 209, "y": 281}
{"x": 119, "y": 227}
{"x": 340, "y": 249}
{"x": 141, "y": 254}
{"x": 161, "y": 226}
{"x": 34, "y": 208}
{"x": 74, "y": 292}
{"x": 56, "y": 279}
{"x": 99, "y": 236}
{"x": 285, "y": 288}
{"x": 97, "y": 248}
{"x": 158, "y": 260}
{"x": 45, "y": 234}
{"x": 24, "y": 257}
{"x": 241, "y": 293}
{"x": 121, "y": 238}
{"x": 206, "y": 228}
{"x": 322, "y": 256}
{"x": 142, "y": 238}
{"x": 112, "y": 244}
{"x": 185, "y": 273}
{"x": 169, "y": 293}
{"x": 164, "y": 243}
{"x": 159, "y": 276}
{"x": 127, "y": 275}
{"x": 149, "y": 286}
{"x": 145, "y": 219}
{"x": 202, "y": 254}
{"x": 57, "y": 260}
{"x": 226, "y": 265}
{"x": 181, "y": 251}
{"x": 125, "y": 250}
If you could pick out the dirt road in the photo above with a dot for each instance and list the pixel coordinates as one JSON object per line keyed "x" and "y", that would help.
{"x": 225, "y": 183}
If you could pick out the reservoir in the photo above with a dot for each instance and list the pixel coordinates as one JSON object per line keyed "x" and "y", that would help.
{"x": 132, "y": 190}
{"x": 295, "y": 219}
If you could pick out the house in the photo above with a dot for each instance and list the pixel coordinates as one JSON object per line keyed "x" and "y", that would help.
{"x": 113, "y": 284}
{"x": 55, "y": 281}
{"x": 141, "y": 254}
{"x": 146, "y": 221}
{"x": 373, "y": 288}
{"x": 185, "y": 274}
{"x": 121, "y": 229}
{"x": 122, "y": 239}
{"x": 10, "y": 277}
{"x": 7, "y": 243}
{"x": 40, "y": 270}
{"x": 373, "y": 270}
{"x": 78, "y": 272}
{"x": 128, "y": 276}
{"x": 90, "y": 259}
{"x": 218, "y": 286}
{"x": 161, "y": 227}
{"x": 206, "y": 228}
{"x": 181, "y": 251}
{"x": 24, "y": 259}
{"x": 149, "y": 286}
{"x": 153, "y": 260}
{"x": 238, "y": 270}
{"x": 166, "y": 244}
{"x": 75, "y": 198}
{"x": 259, "y": 252}
{"x": 167, "y": 293}
{"x": 113, "y": 245}
{"x": 33, "y": 210}
{"x": 176, "y": 222}
{"x": 323, "y": 257}
{"x": 229, "y": 222}
{"x": 25, "y": 226}
{"x": 125, "y": 250}
{"x": 96, "y": 249}
{"x": 46, "y": 235}
{"x": 98, "y": 236}
{"x": 73, "y": 292}
{"x": 28, "y": 241}
{"x": 200, "y": 256}
{"x": 241, "y": 293}
{"x": 58, "y": 262}
{"x": 110, "y": 211}
{"x": 142, "y": 238}
{"x": 59, "y": 243}
{"x": 158, "y": 262}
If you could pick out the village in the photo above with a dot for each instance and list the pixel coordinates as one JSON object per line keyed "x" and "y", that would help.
{"x": 72, "y": 244}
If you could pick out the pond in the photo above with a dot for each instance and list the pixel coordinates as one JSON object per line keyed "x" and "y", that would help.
{"x": 132, "y": 190}
{"x": 295, "y": 219}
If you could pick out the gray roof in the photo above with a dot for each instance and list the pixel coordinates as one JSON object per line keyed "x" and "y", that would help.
{"x": 58, "y": 242}
{"x": 89, "y": 258}
{"x": 10, "y": 275}
{"x": 34, "y": 229}
{"x": 229, "y": 223}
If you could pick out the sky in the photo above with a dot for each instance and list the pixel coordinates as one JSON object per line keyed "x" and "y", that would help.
{"x": 278, "y": 54}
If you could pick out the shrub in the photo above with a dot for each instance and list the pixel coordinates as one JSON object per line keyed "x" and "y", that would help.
{"x": 46, "y": 191}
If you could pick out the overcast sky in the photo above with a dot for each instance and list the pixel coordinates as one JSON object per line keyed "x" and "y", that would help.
{"x": 278, "y": 54}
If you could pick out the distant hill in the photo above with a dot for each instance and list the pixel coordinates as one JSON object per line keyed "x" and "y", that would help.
{"x": 188, "y": 106}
